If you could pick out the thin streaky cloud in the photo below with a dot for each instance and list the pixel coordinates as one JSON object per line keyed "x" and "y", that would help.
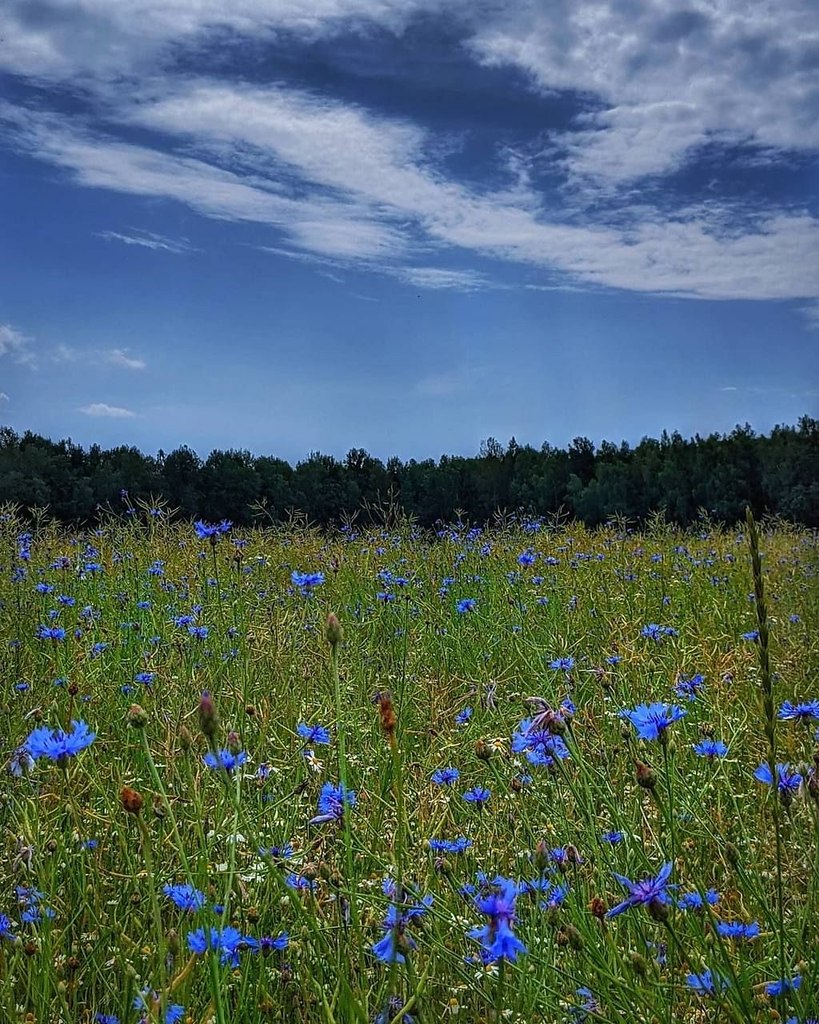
{"x": 148, "y": 240}
{"x": 106, "y": 411}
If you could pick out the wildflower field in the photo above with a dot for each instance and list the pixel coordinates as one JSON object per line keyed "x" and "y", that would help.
{"x": 532, "y": 774}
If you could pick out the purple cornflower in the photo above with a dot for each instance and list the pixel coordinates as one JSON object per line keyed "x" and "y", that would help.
{"x": 445, "y": 776}
{"x": 651, "y": 720}
{"x": 497, "y": 939}
{"x": 208, "y": 531}
{"x": 652, "y": 892}
{"x": 58, "y": 745}
{"x": 799, "y": 712}
{"x": 331, "y": 803}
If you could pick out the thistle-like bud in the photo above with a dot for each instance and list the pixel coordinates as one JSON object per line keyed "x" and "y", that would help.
{"x": 208, "y": 719}
{"x": 234, "y": 742}
{"x": 541, "y": 858}
{"x": 386, "y": 713}
{"x": 658, "y": 911}
{"x": 172, "y": 941}
{"x": 598, "y": 908}
{"x": 137, "y": 717}
{"x": 483, "y": 751}
{"x": 130, "y": 800}
{"x": 185, "y": 738}
{"x": 333, "y": 631}
{"x": 645, "y": 776}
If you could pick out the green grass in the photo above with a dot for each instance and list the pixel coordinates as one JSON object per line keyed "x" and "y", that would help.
{"x": 268, "y": 665}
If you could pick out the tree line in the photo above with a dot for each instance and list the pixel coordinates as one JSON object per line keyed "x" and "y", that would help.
{"x": 721, "y": 474}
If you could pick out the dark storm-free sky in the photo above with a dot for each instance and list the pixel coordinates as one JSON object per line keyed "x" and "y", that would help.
{"x": 406, "y": 225}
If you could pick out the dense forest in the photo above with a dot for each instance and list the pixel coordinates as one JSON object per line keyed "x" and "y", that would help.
{"x": 776, "y": 474}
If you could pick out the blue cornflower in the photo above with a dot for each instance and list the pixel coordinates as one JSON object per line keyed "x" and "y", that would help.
{"x": 788, "y": 782}
{"x": 6, "y": 928}
{"x": 695, "y": 900}
{"x": 689, "y": 688}
{"x": 58, "y": 745}
{"x": 445, "y": 776}
{"x": 449, "y": 845}
{"x": 51, "y": 633}
{"x": 44, "y": 588}
{"x": 106, "y": 1018}
{"x": 463, "y": 716}
{"x": 710, "y": 748}
{"x": 738, "y": 930}
{"x": 613, "y": 837}
{"x": 783, "y": 985}
{"x": 566, "y": 664}
{"x": 313, "y": 733}
{"x": 31, "y": 904}
{"x": 145, "y": 677}
{"x": 526, "y": 558}
{"x": 224, "y": 759}
{"x": 208, "y": 531}
{"x": 200, "y": 632}
{"x": 655, "y": 632}
{"x": 799, "y": 712}
{"x": 466, "y": 604}
{"x": 650, "y": 891}
{"x": 228, "y": 941}
{"x": 707, "y": 983}
{"x": 395, "y": 942}
{"x": 651, "y": 720}
{"x": 541, "y": 746}
{"x": 185, "y": 896}
{"x": 477, "y": 795}
{"x": 98, "y": 648}
{"x": 498, "y": 940}
{"x": 331, "y": 803}
{"x": 174, "y": 1013}
{"x": 752, "y": 634}
{"x": 306, "y": 581}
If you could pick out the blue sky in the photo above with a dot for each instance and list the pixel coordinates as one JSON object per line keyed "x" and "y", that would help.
{"x": 406, "y": 225}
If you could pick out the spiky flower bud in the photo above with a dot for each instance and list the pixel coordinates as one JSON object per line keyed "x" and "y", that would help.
{"x": 598, "y": 908}
{"x": 386, "y": 713}
{"x": 483, "y": 750}
{"x": 137, "y": 717}
{"x": 333, "y": 631}
{"x": 208, "y": 719}
{"x": 130, "y": 800}
{"x": 185, "y": 738}
{"x": 645, "y": 776}
{"x": 234, "y": 742}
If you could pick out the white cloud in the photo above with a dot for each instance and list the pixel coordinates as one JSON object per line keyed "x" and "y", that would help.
{"x": 441, "y": 278}
{"x": 667, "y": 76}
{"x": 148, "y": 240}
{"x": 116, "y": 412}
{"x": 17, "y": 346}
{"x": 119, "y": 357}
{"x": 4, "y": 397}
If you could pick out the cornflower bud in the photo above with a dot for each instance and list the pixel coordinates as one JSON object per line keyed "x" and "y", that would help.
{"x": 333, "y": 631}
{"x": 185, "y": 738}
{"x": 137, "y": 717}
{"x": 234, "y": 742}
{"x": 386, "y": 712}
{"x": 208, "y": 719}
{"x": 645, "y": 776}
{"x": 130, "y": 800}
{"x": 598, "y": 908}
{"x": 483, "y": 751}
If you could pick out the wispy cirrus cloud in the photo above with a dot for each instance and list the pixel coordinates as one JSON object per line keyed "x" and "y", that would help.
{"x": 340, "y": 182}
{"x": 105, "y": 411}
{"x": 119, "y": 357}
{"x": 148, "y": 240}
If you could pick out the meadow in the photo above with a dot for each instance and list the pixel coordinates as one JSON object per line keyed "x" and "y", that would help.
{"x": 535, "y": 773}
